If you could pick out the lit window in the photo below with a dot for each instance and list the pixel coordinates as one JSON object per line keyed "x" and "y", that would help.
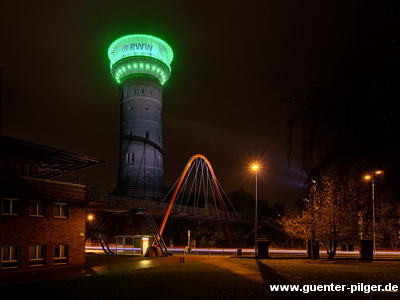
{"x": 10, "y": 257}
{"x": 10, "y": 207}
{"x": 37, "y": 255}
{"x": 60, "y": 210}
{"x": 37, "y": 209}
{"x": 60, "y": 254}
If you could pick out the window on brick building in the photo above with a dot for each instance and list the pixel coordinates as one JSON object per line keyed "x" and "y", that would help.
{"x": 37, "y": 209}
{"x": 37, "y": 255}
{"x": 60, "y": 254}
{"x": 10, "y": 207}
{"x": 10, "y": 257}
{"x": 60, "y": 210}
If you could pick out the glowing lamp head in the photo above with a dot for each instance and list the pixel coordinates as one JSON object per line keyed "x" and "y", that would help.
{"x": 370, "y": 177}
{"x": 367, "y": 177}
{"x": 90, "y": 217}
{"x": 255, "y": 167}
{"x": 140, "y": 54}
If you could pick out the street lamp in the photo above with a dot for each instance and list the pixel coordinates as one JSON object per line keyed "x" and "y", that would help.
{"x": 255, "y": 168}
{"x": 372, "y": 178}
{"x": 90, "y": 217}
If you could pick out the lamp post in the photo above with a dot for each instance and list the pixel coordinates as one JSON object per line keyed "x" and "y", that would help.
{"x": 255, "y": 169}
{"x": 372, "y": 178}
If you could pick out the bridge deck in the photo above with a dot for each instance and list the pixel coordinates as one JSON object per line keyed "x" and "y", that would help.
{"x": 101, "y": 201}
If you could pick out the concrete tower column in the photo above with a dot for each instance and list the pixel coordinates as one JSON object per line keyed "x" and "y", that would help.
{"x": 140, "y": 64}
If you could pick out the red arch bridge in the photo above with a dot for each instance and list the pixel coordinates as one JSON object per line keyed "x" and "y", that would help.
{"x": 196, "y": 195}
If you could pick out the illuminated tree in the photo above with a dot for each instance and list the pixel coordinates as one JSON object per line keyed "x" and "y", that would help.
{"x": 388, "y": 224}
{"x": 330, "y": 214}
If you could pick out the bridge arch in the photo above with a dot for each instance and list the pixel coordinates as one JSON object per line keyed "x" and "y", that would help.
{"x": 179, "y": 184}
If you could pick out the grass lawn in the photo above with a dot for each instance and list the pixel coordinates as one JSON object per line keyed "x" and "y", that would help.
{"x": 189, "y": 280}
{"x": 305, "y": 271}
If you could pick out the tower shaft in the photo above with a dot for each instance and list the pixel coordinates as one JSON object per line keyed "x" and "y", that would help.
{"x": 141, "y": 166}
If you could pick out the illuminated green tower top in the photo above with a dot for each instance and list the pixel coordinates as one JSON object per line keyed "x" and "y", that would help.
{"x": 140, "y": 64}
{"x": 138, "y": 54}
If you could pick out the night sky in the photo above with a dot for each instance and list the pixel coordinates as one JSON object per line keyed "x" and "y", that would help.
{"x": 234, "y": 67}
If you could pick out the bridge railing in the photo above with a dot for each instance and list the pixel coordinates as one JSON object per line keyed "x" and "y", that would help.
{"x": 118, "y": 201}
{"x": 157, "y": 207}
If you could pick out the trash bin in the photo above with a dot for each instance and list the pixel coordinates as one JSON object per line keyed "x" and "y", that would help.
{"x": 343, "y": 247}
{"x": 262, "y": 246}
{"x": 350, "y": 247}
{"x": 367, "y": 250}
{"x": 314, "y": 253}
{"x": 239, "y": 252}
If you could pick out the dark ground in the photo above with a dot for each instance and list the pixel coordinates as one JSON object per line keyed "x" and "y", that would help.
{"x": 129, "y": 277}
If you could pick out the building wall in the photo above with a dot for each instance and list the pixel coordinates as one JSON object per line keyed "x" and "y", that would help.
{"x": 28, "y": 226}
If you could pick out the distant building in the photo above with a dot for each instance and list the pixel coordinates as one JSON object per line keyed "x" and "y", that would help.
{"x": 42, "y": 221}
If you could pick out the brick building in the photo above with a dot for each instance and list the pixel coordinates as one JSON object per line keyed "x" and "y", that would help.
{"x": 42, "y": 221}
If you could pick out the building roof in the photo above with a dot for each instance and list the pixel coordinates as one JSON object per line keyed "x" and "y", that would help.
{"x": 51, "y": 162}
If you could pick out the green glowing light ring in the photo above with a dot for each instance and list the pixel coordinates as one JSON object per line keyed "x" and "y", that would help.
{"x": 140, "y": 65}
{"x": 140, "y": 45}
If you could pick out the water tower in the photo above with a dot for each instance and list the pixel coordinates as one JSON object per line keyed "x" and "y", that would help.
{"x": 140, "y": 64}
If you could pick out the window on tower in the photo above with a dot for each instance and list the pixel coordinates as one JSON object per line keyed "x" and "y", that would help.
{"x": 130, "y": 158}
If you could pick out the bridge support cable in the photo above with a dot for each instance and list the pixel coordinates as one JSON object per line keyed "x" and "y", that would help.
{"x": 97, "y": 231}
{"x": 98, "y": 227}
{"x": 158, "y": 240}
{"x": 206, "y": 180}
{"x": 227, "y": 198}
{"x": 103, "y": 242}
